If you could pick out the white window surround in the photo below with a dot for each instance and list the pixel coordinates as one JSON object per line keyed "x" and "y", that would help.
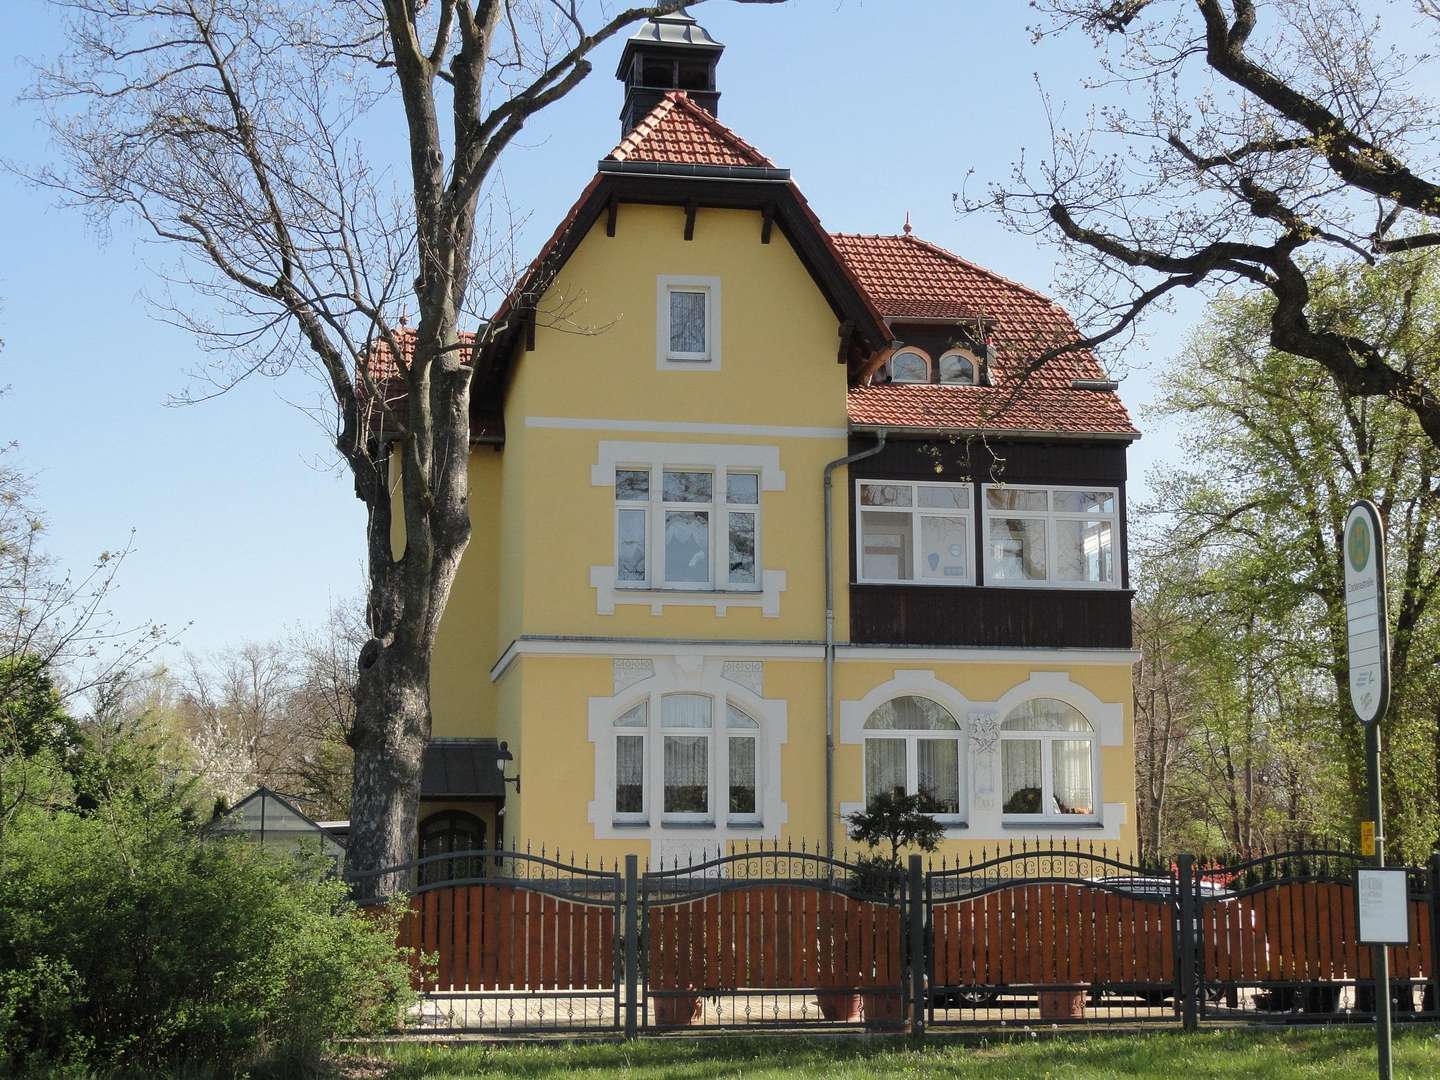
{"x": 1050, "y": 517}
{"x": 909, "y": 350}
{"x": 717, "y": 458}
{"x": 727, "y": 505}
{"x": 985, "y": 821}
{"x": 917, "y": 514}
{"x": 694, "y": 673}
{"x": 665, "y": 360}
{"x": 911, "y": 738}
{"x": 1046, "y": 737}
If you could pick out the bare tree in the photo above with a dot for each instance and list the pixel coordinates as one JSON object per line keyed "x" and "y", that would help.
{"x": 1270, "y": 136}
{"x": 243, "y": 133}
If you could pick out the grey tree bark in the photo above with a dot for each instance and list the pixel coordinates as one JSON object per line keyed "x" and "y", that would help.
{"x": 230, "y": 130}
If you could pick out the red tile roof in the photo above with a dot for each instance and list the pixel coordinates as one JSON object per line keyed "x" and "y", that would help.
{"x": 909, "y": 278}
{"x": 678, "y": 131}
{"x": 387, "y": 378}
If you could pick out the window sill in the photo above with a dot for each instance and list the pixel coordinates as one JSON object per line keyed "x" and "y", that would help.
{"x": 707, "y": 823}
{"x": 1053, "y": 823}
{"x": 630, "y": 824}
{"x": 676, "y": 590}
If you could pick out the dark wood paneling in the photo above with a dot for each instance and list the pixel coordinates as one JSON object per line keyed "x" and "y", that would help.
{"x": 993, "y": 461}
{"x": 990, "y": 616}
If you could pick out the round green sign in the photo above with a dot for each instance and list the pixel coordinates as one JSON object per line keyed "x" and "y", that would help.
{"x": 1357, "y": 544}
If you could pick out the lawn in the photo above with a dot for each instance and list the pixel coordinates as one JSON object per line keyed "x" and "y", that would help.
{"x": 1312, "y": 1052}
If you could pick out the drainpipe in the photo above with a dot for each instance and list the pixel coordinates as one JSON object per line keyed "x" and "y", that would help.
{"x": 830, "y": 641}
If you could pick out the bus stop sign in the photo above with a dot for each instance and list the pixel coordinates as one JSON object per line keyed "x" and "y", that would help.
{"x": 1366, "y": 623}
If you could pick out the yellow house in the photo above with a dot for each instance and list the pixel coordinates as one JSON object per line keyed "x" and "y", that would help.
{"x": 766, "y": 521}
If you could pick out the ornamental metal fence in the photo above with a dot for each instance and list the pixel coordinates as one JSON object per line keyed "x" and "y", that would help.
{"x": 768, "y": 937}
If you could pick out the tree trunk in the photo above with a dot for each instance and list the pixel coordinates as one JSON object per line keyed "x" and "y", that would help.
{"x": 392, "y": 728}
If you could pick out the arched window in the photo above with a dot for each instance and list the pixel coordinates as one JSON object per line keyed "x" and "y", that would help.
{"x": 1047, "y": 761}
{"x": 958, "y": 368}
{"x": 910, "y": 366}
{"x": 912, "y": 744}
{"x": 691, "y": 754}
{"x": 451, "y": 831}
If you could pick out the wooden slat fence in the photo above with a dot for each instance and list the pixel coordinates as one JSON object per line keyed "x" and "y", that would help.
{"x": 1052, "y": 934}
{"x": 772, "y": 936}
{"x": 508, "y": 937}
{"x": 1301, "y": 931}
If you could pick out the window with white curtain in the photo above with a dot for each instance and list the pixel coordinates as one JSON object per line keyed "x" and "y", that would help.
{"x": 914, "y": 532}
{"x": 630, "y": 730}
{"x": 1051, "y": 536}
{"x": 687, "y": 528}
{"x": 1048, "y": 762}
{"x": 913, "y": 744}
{"x": 692, "y": 767}
{"x": 687, "y": 323}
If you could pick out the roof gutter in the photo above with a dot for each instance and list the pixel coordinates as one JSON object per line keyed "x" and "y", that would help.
{"x": 1021, "y": 433}
{"x": 768, "y": 174}
{"x": 830, "y": 468}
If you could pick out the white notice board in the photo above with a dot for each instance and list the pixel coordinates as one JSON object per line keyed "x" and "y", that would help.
{"x": 1384, "y": 907}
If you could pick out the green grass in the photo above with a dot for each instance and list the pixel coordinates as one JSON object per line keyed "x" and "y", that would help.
{"x": 1282, "y": 1054}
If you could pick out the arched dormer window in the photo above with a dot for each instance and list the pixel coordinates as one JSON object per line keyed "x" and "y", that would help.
{"x": 959, "y": 368}
{"x": 913, "y": 744}
{"x": 909, "y": 365}
{"x": 1047, "y": 761}
{"x": 446, "y": 832}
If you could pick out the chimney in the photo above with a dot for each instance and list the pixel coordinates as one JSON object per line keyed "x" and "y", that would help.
{"x": 668, "y": 52}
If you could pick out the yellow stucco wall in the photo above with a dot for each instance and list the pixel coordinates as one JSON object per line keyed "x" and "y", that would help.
{"x": 541, "y": 524}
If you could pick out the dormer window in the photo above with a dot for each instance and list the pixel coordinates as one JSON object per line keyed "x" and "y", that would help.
{"x": 959, "y": 368}
{"x": 909, "y": 366}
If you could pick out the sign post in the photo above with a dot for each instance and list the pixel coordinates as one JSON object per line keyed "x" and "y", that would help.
{"x": 1368, "y": 636}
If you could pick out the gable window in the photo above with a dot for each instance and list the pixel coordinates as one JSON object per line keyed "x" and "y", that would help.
{"x": 1047, "y": 762}
{"x": 914, "y": 532}
{"x": 687, "y": 528}
{"x": 909, "y": 366}
{"x": 958, "y": 368}
{"x": 687, "y": 322}
{"x": 704, "y": 771}
{"x": 912, "y": 744}
{"x": 1060, "y": 537}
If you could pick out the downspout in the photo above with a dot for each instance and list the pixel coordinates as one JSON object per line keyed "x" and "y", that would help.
{"x": 830, "y": 640}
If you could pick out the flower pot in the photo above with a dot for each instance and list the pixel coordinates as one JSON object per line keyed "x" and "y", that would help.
{"x": 1062, "y": 1004}
{"x": 842, "y": 1006}
{"x": 883, "y": 1010}
{"x": 677, "y": 1010}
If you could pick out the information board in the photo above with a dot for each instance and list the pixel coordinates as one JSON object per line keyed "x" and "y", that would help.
{"x": 1384, "y": 907}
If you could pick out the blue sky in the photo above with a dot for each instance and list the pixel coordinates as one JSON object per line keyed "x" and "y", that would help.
{"x": 243, "y": 524}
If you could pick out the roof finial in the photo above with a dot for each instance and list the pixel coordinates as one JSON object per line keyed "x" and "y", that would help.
{"x": 907, "y": 222}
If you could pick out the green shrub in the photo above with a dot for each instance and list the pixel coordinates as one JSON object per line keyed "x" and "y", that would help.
{"x": 130, "y": 943}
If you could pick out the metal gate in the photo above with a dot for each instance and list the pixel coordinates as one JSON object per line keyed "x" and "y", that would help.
{"x": 1278, "y": 941}
{"x": 508, "y": 941}
{"x": 1054, "y": 936}
{"x": 772, "y": 938}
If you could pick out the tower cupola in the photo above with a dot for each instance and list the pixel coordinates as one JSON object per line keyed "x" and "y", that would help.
{"x": 668, "y": 52}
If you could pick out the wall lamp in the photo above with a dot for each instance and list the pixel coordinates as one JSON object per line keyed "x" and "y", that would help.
{"x": 501, "y": 758}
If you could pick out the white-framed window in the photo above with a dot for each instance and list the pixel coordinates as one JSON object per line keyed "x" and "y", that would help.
{"x": 678, "y": 527}
{"x": 742, "y": 747}
{"x": 1060, "y": 537}
{"x": 914, "y": 531}
{"x": 1048, "y": 764}
{"x": 959, "y": 368}
{"x": 687, "y": 321}
{"x": 692, "y": 768}
{"x": 910, "y": 365}
{"x": 631, "y": 802}
{"x": 913, "y": 744}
